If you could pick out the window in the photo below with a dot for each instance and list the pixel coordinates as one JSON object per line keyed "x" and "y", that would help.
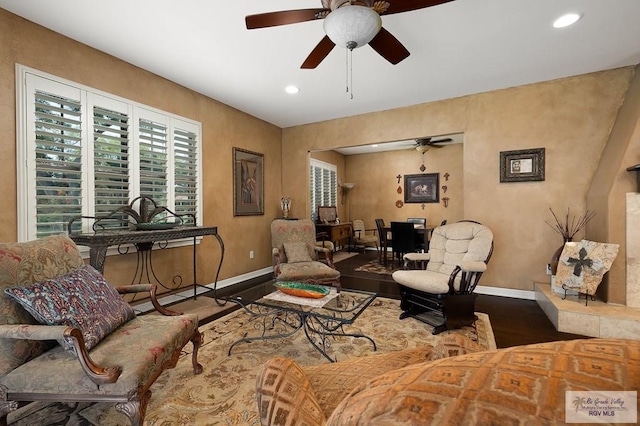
{"x": 87, "y": 153}
{"x": 323, "y": 185}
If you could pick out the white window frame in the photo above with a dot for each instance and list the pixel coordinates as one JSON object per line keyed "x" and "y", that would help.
{"x": 25, "y": 154}
{"x": 330, "y": 194}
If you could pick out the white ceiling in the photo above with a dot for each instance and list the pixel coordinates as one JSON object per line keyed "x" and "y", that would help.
{"x": 457, "y": 48}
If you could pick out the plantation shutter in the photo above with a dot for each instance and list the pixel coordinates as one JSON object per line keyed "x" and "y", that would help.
{"x": 153, "y": 161}
{"x": 57, "y": 123}
{"x": 82, "y": 152}
{"x": 111, "y": 161}
{"x": 323, "y": 184}
{"x": 185, "y": 144}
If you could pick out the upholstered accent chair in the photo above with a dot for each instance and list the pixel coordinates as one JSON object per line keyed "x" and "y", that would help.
{"x": 362, "y": 236}
{"x": 295, "y": 254}
{"x": 442, "y": 294}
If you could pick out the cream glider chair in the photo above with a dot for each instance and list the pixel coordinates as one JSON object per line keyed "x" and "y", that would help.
{"x": 295, "y": 254}
{"x": 362, "y": 236}
{"x": 442, "y": 294}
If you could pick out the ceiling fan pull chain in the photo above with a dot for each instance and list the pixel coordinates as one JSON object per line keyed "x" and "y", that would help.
{"x": 346, "y": 69}
{"x": 351, "y": 71}
{"x": 349, "y": 75}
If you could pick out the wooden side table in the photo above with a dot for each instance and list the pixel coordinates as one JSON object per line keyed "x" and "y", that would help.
{"x": 337, "y": 232}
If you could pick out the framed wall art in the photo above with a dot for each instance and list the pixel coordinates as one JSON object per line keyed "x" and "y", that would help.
{"x": 248, "y": 183}
{"x": 422, "y": 188}
{"x": 522, "y": 165}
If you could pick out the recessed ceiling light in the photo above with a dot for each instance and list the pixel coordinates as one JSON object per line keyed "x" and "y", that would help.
{"x": 292, "y": 90}
{"x": 566, "y": 20}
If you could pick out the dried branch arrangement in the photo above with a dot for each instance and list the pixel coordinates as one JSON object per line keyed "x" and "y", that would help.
{"x": 571, "y": 224}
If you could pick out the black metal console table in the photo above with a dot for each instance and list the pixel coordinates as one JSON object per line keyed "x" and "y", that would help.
{"x": 99, "y": 242}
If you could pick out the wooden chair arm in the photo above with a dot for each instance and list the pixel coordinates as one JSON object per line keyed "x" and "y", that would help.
{"x": 322, "y": 236}
{"x": 73, "y": 336}
{"x": 97, "y": 374}
{"x": 152, "y": 289}
{"x": 275, "y": 253}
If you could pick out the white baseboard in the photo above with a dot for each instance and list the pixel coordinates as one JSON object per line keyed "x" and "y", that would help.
{"x": 506, "y": 292}
{"x": 188, "y": 292}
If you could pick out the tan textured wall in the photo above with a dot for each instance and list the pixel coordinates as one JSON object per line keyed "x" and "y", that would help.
{"x": 376, "y": 191}
{"x": 222, "y": 127}
{"x": 570, "y": 117}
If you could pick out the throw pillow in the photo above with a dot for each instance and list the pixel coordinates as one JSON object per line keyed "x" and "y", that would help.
{"x": 297, "y": 252}
{"x": 81, "y": 298}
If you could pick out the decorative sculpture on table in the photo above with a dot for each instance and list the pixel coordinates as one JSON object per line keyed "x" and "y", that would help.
{"x": 285, "y": 204}
{"x": 583, "y": 264}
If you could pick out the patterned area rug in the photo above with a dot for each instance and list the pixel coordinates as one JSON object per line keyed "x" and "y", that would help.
{"x": 224, "y": 393}
{"x": 375, "y": 267}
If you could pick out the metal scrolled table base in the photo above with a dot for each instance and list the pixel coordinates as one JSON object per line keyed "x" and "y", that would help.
{"x": 314, "y": 327}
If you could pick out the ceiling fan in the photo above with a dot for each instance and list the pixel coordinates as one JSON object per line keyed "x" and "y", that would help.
{"x": 424, "y": 144}
{"x": 342, "y": 18}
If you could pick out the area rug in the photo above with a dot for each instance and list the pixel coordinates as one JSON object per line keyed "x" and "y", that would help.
{"x": 224, "y": 393}
{"x": 376, "y": 267}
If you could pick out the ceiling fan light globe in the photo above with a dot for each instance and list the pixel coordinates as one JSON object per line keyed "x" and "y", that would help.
{"x": 352, "y": 26}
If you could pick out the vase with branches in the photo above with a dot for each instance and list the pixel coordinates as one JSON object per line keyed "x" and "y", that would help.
{"x": 567, "y": 227}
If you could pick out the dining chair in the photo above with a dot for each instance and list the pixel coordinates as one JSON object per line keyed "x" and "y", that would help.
{"x": 384, "y": 241}
{"x": 362, "y": 236}
{"x": 420, "y": 224}
{"x": 403, "y": 239}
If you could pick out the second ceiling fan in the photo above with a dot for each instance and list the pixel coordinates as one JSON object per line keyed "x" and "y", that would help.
{"x": 365, "y": 12}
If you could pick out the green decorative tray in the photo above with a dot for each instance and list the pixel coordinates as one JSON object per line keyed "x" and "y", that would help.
{"x": 155, "y": 226}
{"x": 302, "y": 290}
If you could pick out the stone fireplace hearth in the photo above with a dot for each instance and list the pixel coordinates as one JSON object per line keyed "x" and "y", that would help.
{"x": 600, "y": 319}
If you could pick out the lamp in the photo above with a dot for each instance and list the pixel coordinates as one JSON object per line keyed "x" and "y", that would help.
{"x": 352, "y": 26}
{"x": 345, "y": 188}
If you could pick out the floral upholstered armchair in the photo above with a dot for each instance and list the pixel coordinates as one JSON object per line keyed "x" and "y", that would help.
{"x": 295, "y": 254}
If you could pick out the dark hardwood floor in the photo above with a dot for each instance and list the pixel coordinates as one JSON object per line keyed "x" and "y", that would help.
{"x": 514, "y": 321}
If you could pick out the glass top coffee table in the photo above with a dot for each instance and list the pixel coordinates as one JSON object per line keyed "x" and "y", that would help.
{"x": 277, "y": 315}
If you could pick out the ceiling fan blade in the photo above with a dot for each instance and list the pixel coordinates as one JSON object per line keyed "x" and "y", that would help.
{"x": 399, "y": 6}
{"x": 389, "y": 47}
{"x": 273, "y": 19}
{"x": 445, "y": 140}
{"x": 318, "y": 54}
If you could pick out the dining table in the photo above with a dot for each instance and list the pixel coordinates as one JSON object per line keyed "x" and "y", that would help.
{"x": 422, "y": 232}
